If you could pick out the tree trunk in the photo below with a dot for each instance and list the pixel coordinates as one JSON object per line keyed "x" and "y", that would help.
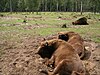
{"x": 57, "y": 5}
{"x": 10, "y": 6}
{"x": 45, "y": 5}
{"x": 76, "y": 6}
{"x": 81, "y": 7}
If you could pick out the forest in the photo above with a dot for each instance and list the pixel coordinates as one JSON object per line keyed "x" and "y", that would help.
{"x": 50, "y": 5}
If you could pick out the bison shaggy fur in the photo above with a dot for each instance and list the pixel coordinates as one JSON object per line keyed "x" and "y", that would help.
{"x": 64, "y": 58}
{"x": 75, "y": 40}
{"x": 81, "y": 21}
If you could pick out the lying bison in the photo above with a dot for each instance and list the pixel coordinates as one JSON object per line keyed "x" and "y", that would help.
{"x": 81, "y": 21}
{"x": 62, "y": 56}
{"x": 74, "y": 40}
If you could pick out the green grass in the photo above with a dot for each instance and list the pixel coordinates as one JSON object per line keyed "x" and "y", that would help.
{"x": 51, "y": 20}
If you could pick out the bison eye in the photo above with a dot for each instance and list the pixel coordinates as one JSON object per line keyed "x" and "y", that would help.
{"x": 46, "y": 44}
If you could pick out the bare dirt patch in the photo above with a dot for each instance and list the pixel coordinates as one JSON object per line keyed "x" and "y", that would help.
{"x": 22, "y": 60}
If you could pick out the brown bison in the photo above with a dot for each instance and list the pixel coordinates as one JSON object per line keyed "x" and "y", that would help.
{"x": 62, "y": 55}
{"x": 75, "y": 40}
{"x": 81, "y": 21}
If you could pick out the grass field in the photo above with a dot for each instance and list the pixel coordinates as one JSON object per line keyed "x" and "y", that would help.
{"x": 46, "y": 23}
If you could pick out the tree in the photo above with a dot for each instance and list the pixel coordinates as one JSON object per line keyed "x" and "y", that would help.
{"x": 81, "y": 7}
{"x": 50, "y": 5}
{"x": 10, "y": 5}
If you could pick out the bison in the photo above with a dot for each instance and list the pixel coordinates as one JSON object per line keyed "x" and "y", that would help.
{"x": 62, "y": 56}
{"x": 81, "y": 21}
{"x": 75, "y": 40}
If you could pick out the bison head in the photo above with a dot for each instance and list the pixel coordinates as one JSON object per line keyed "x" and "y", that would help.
{"x": 63, "y": 36}
{"x": 45, "y": 50}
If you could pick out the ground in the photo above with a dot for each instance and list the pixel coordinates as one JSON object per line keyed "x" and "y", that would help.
{"x": 19, "y": 41}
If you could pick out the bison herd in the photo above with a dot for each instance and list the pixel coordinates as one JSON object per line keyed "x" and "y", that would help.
{"x": 64, "y": 54}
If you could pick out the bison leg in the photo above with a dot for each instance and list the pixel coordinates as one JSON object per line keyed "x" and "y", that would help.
{"x": 61, "y": 64}
{"x": 77, "y": 73}
{"x": 45, "y": 60}
{"x": 50, "y": 62}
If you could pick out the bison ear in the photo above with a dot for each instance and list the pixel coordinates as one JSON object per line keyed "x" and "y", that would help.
{"x": 66, "y": 35}
{"x": 43, "y": 39}
{"x": 59, "y": 33}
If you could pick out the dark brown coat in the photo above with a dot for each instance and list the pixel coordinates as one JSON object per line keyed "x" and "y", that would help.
{"x": 81, "y": 21}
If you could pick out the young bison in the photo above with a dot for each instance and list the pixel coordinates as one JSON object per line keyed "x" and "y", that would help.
{"x": 81, "y": 21}
{"x": 75, "y": 41}
{"x": 64, "y": 58}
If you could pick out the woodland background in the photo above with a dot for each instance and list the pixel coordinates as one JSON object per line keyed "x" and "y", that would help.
{"x": 50, "y": 5}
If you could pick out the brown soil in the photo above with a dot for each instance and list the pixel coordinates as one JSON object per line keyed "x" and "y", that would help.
{"x": 21, "y": 59}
